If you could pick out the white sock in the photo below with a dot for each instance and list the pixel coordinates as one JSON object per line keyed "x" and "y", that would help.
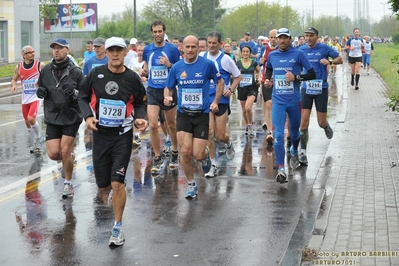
{"x": 36, "y": 128}
{"x": 303, "y": 151}
{"x": 213, "y": 161}
{"x": 137, "y": 134}
{"x": 167, "y": 138}
{"x": 32, "y": 133}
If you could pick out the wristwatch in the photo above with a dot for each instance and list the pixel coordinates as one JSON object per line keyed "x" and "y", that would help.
{"x": 298, "y": 77}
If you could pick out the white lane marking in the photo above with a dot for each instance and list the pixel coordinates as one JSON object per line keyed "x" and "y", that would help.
{"x": 22, "y": 182}
{"x": 17, "y": 121}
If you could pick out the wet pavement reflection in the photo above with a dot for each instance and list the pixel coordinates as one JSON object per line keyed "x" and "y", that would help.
{"x": 241, "y": 217}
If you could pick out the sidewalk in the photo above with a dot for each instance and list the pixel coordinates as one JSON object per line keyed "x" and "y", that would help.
{"x": 358, "y": 221}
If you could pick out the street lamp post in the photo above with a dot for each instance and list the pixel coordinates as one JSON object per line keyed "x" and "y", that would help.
{"x": 70, "y": 19}
{"x": 286, "y": 13}
{"x": 134, "y": 19}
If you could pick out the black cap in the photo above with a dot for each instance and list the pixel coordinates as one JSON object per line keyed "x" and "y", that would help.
{"x": 247, "y": 33}
{"x": 312, "y": 30}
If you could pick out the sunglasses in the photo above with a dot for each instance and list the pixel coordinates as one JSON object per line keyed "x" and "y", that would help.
{"x": 30, "y": 52}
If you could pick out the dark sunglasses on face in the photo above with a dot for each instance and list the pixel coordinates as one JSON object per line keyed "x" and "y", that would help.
{"x": 30, "y": 52}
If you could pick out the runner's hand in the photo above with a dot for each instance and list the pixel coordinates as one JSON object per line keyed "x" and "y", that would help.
{"x": 41, "y": 92}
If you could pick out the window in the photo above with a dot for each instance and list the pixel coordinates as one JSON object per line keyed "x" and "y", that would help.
{"x": 26, "y": 33}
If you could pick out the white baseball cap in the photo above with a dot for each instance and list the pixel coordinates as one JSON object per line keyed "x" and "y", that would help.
{"x": 115, "y": 41}
{"x": 133, "y": 41}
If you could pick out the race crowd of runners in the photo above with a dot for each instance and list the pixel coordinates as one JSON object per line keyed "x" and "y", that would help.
{"x": 123, "y": 88}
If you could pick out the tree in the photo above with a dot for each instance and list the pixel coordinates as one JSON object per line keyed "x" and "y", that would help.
{"x": 183, "y": 17}
{"x": 48, "y": 8}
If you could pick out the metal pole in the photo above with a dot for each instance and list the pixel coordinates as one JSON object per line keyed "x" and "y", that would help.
{"x": 134, "y": 14}
{"x": 70, "y": 19}
{"x": 337, "y": 20}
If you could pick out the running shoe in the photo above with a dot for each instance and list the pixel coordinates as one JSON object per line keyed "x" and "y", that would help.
{"x": 288, "y": 147}
{"x": 294, "y": 162}
{"x": 356, "y": 87}
{"x": 136, "y": 140}
{"x": 174, "y": 162}
{"x": 67, "y": 192}
{"x": 281, "y": 176}
{"x": 157, "y": 165}
{"x": 246, "y": 130}
{"x": 191, "y": 191}
{"x": 230, "y": 152}
{"x": 222, "y": 148}
{"x": 303, "y": 159}
{"x": 117, "y": 238}
{"x": 39, "y": 143}
{"x": 212, "y": 172}
{"x": 329, "y": 132}
{"x": 167, "y": 148}
{"x": 206, "y": 163}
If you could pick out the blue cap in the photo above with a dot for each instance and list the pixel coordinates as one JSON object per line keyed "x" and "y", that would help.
{"x": 283, "y": 31}
{"x": 60, "y": 42}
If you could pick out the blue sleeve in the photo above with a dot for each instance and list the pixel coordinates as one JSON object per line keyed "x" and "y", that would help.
{"x": 145, "y": 53}
{"x": 175, "y": 55}
{"x": 305, "y": 61}
{"x": 331, "y": 52}
{"x": 348, "y": 42}
{"x": 171, "y": 81}
{"x": 86, "y": 68}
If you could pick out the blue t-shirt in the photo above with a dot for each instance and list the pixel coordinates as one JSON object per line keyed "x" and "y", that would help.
{"x": 250, "y": 44}
{"x": 158, "y": 73}
{"x": 292, "y": 60}
{"x": 193, "y": 80}
{"x": 87, "y": 55}
{"x": 94, "y": 62}
{"x": 315, "y": 54}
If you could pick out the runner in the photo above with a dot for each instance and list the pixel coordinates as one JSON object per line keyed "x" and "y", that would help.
{"x": 316, "y": 90}
{"x": 158, "y": 58}
{"x": 28, "y": 72}
{"x": 193, "y": 77}
{"x": 355, "y": 45}
{"x": 113, "y": 100}
{"x": 285, "y": 66}
{"x": 218, "y": 120}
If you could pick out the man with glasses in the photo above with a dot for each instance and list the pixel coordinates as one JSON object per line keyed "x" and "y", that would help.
{"x": 58, "y": 84}
{"x": 283, "y": 72}
{"x": 99, "y": 59}
{"x": 117, "y": 97}
{"x": 28, "y": 72}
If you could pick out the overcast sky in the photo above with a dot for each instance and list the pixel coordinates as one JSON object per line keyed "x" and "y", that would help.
{"x": 325, "y": 7}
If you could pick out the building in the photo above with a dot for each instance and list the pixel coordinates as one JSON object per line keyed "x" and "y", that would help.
{"x": 19, "y": 26}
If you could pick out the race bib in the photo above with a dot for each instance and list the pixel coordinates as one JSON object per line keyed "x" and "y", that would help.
{"x": 246, "y": 80}
{"x": 159, "y": 74}
{"x": 282, "y": 85}
{"x": 192, "y": 99}
{"x": 28, "y": 87}
{"x": 111, "y": 113}
{"x": 314, "y": 87}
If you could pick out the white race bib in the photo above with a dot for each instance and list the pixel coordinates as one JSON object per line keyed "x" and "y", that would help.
{"x": 28, "y": 87}
{"x": 282, "y": 85}
{"x": 111, "y": 113}
{"x": 314, "y": 87}
{"x": 192, "y": 99}
{"x": 159, "y": 74}
{"x": 246, "y": 80}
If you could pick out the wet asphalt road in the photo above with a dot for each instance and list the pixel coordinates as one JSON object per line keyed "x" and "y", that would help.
{"x": 241, "y": 217}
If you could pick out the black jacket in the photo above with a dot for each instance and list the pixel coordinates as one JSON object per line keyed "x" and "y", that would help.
{"x": 59, "y": 108}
